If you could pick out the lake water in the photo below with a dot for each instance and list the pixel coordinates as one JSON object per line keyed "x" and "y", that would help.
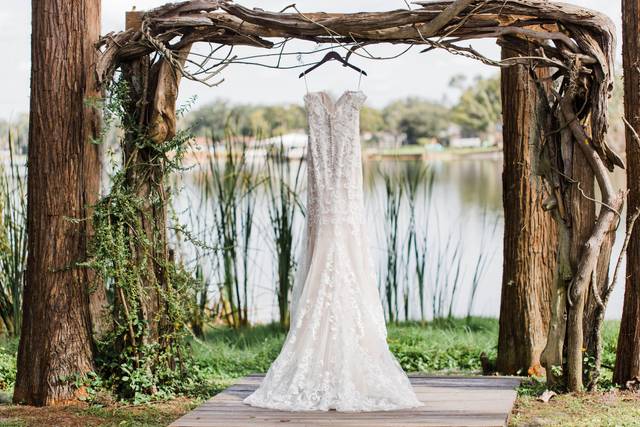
{"x": 462, "y": 219}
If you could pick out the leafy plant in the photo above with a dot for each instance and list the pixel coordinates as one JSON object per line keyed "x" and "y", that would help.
{"x": 418, "y": 176}
{"x": 284, "y": 205}
{"x": 13, "y": 241}
{"x": 7, "y": 368}
{"x": 480, "y": 107}
{"x": 144, "y": 354}
{"x": 392, "y": 204}
{"x": 230, "y": 186}
{"x": 482, "y": 260}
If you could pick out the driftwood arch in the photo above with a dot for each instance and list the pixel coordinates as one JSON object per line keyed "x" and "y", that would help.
{"x": 576, "y": 44}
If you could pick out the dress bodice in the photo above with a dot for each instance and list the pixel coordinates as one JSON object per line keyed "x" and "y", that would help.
{"x": 334, "y": 158}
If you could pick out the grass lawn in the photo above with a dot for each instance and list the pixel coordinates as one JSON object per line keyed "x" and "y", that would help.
{"x": 609, "y": 408}
{"x": 444, "y": 347}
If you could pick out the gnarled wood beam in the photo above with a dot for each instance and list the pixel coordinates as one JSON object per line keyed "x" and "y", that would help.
{"x": 578, "y": 31}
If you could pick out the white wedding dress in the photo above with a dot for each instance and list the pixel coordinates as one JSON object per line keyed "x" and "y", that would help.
{"x": 335, "y": 355}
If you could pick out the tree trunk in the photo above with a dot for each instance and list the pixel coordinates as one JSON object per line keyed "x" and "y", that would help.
{"x": 154, "y": 124}
{"x": 553, "y": 354}
{"x": 628, "y": 354}
{"x": 582, "y": 217}
{"x": 592, "y": 311}
{"x": 530, "y": 237}
{"x": 55, "y": 344}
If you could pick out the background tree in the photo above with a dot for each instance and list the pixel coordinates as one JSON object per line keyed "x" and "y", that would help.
{"x": 416, "y": 118}
{"x": 210, "y": 117}
{"x": 64, "y": 170}
{"x": 371, "y": 120}
{"x": 246, "y": 120}
{"x": 628, "y": 353}
{"x": 529, "y": 237}
{"x": 284, "y": 118}
{"x": 479, "y": 109}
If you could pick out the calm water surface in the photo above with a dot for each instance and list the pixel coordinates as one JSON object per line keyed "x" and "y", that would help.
{"x": 462, "y": 217}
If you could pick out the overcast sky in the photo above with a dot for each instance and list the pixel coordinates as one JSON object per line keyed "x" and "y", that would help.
{"x": 425, "y": 75}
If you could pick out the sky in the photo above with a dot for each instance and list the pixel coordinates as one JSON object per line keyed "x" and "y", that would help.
{"x": 413, "y": 74}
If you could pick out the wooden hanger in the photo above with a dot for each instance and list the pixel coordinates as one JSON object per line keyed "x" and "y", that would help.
{"x": 335, "y": 57}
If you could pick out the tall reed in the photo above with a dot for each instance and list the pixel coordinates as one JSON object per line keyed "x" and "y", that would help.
{"x": 283, "y": 188}
{"x": 418, "y": 177}
{"x": 196, "y": 248}
{"x": 199, "y": 303}
{"x": 483, "y": 258}
{"x": 228, "y": 186}
{"x": 447, "y": 275}
{"x": 13, "y": 240}
{"x": 392, "y": 204}
{"x": 250, "y": 183}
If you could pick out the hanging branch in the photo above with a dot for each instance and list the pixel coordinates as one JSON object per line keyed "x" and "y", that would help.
{"x": 612, "y": 203}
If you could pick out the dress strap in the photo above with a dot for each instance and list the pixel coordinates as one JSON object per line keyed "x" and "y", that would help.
{"x": 306, "y": 84}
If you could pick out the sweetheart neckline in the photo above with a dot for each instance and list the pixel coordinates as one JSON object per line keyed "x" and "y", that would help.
{"x": 334, "y": 104}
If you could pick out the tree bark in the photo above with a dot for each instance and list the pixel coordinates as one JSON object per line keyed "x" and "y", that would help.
{"x": 593, "y": 312}
{"x": 553, "y": 354}
{"x": 592, "y": 309}
{"x": 530, "y": 237}
{"x": 590, "y": 250}
{"x": 56, "y": 344}
{"x": 628, "y": 354}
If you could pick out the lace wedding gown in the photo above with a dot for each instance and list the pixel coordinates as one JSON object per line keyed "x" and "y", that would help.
{"x": 335, "y": 355}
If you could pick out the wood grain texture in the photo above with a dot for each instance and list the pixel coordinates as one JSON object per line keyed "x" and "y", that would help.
{"x": 530, "y": 235}
{"x": 628, "y": 357}
{"x": 63, "y": 180}
{"x": 449, "y": 401}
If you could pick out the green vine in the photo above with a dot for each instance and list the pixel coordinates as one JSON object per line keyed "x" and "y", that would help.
{"x": 144, "y": 354}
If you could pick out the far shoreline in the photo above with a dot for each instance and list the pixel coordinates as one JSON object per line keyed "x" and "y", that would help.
{"x": 413, "y": 152}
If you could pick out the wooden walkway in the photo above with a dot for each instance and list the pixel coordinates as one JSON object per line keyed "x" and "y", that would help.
{"x": 449, "y": 401}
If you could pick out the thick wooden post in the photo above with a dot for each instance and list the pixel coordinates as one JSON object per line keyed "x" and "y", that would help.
{"x": 530, "y": 241}
{"x": 64, "y": 169}
{"x": 628, "y": 355}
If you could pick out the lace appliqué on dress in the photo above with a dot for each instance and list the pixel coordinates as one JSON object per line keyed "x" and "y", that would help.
{"x": 335, "y": 355}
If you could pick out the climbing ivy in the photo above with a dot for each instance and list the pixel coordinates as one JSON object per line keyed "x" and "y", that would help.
{"x": 143, "y": 355}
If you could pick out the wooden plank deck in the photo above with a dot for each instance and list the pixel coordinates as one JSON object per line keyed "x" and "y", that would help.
{"x": 449, "y": 401}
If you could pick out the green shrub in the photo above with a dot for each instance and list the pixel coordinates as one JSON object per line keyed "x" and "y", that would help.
{"x": 7, "y": 368}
